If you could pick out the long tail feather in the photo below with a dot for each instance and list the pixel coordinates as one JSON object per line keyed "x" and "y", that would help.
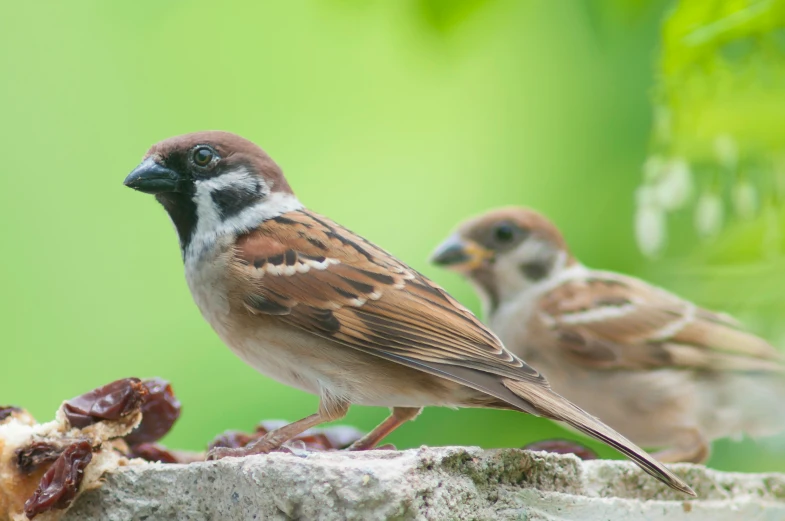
{"x": 554, "y": 406}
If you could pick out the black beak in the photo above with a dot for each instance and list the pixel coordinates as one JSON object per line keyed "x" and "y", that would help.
{"x": 450, "y": 255}
{"x": 152, "y": 178}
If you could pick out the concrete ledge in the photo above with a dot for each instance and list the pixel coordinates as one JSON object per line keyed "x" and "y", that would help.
{"x": 426, "y": 483}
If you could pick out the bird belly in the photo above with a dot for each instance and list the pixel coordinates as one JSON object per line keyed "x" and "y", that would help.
{"x": 210, "y": 288}
{"x": 320, "y": 366}
{"x": 326, "y": 368}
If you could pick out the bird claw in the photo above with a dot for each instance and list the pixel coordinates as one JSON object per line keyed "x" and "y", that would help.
{"x": 263, "y": 445}
{"x": 359, "y": 448}
{"x": 223, "y": 452}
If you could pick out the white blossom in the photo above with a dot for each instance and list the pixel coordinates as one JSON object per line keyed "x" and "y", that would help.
{"x": 662, "y": 123}
{"x": 709, "y": 215}
{"x": 650, "y": 226}
{"x": 772, "y": 236}
{"x": 744, "y": 196}
{"x": 653, "y": 167}
{"x": 674, "y": 187}
{"x": 727, "y": 151}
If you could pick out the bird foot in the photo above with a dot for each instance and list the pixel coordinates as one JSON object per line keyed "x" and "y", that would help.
{"x": 359, "y": 447}
{"x": 263, "y": 445}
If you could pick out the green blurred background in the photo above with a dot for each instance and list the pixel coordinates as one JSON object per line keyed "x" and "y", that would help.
{"x": 395, "y": 118}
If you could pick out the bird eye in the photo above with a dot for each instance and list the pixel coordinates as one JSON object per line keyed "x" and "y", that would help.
{"x": 202, "y": 156}
{"x": 504, "y": 232}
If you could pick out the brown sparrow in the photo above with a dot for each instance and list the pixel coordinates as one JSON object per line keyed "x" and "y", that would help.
{"x": 657, "y": 368}
{"x": 314, "y": 306}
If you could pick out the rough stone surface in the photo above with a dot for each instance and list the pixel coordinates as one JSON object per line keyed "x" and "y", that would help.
{"x": 451, "y": 483}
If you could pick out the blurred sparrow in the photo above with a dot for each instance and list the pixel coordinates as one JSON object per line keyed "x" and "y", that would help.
{"x": 658, "y": 369}
{"x": 312, "y": 305}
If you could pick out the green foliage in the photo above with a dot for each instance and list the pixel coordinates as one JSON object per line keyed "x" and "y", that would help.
{"x": 723, "y": 72}
{"x": 720, "y": 110}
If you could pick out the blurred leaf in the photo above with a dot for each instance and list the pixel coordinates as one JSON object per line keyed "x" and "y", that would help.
{"x": 446, "y": 15}
{"x": 719, "y": 107}
{"x": 723, "y": 72}
{"x": 606, "y": 16}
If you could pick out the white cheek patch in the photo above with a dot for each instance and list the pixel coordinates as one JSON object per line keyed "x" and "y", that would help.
{"x": 233, "y": 179}
{"x": 531, "y": 250}
{"x": 211, "y": 226}
{"x": 208, "y": 214}
{"x": 511, "y": 282}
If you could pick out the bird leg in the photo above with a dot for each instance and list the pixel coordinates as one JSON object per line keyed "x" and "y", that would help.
{"x": 328, "y": 411}
{"x": 399, "y": 416}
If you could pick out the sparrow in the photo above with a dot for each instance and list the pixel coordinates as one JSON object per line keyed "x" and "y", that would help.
{"x": 659, "y": 369}
{"x": 314, "y": 306}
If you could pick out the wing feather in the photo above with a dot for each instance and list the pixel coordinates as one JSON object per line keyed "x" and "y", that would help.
{"x": 364, "y": 298}
{"x": 611, "y": 321}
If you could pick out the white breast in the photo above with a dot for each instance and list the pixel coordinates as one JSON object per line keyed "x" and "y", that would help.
{"x": 206, "y": 277}
{"x": 510, "y": 320}
{"x": 266, "y": 349}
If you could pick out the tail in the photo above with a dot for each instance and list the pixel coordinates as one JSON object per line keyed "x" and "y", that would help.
{"x": 551, "y": 405}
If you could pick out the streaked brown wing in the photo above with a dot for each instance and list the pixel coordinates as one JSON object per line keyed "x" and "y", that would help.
{"x": 610, "y": 321}
{"x": 326, "y": 280}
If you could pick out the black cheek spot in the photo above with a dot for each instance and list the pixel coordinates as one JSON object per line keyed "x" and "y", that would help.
{"x": 535, "y": 271}
{"x": 231, "y": 201}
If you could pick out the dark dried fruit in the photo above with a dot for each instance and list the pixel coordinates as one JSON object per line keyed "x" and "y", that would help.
{"x": 265, "y": 426}
{"x": 331, "y": 438}
{"x": 563, "y": 447}
{"x": 232, "y": 440}
{"x": 341, "y": 436}
{"x": 110, "y": 402}
{"x": 160, "y": 410}
{"x": 7, "y": 410}
{"x": 36, "y": 454}
{"x": 153, "y": 452}
{"x": 59, "y": 484}
{"x": 315, "y": 441}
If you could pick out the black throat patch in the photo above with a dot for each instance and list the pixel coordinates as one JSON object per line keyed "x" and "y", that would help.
{"x": 182, "y": 210}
